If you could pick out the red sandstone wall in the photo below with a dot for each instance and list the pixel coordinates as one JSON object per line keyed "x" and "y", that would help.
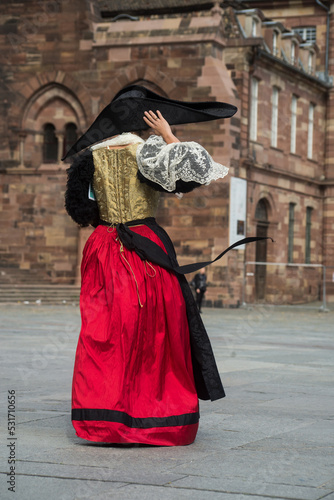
{"x": 38, "y": 241}
{"x": 61, "y": 66}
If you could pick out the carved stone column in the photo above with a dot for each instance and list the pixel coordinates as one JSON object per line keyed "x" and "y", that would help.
{"x": 60, "y": 137}
{"x": 22, "y": 136}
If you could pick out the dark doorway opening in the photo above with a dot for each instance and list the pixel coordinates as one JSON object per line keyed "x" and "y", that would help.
{"x": 50, "y": 144}
{"x": 261, "y": 216}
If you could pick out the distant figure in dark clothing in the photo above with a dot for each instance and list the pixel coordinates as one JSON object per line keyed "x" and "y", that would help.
{"x": 199, "y": 283}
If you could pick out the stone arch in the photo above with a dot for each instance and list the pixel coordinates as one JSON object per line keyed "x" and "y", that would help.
{"x": 135, "y": 74}
{"x": 266, "y": 198}
{"x": 52, "y": 103}
{"x": 42, "y": 99}
{"x": 26, "y": 90}
{"x": 261, "y": 210}
{"x": 151, "y": 86}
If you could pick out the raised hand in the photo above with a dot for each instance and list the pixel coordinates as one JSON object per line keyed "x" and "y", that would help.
{"x": 160, "y": 126}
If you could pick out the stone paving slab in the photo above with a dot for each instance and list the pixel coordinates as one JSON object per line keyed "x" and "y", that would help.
{"x": 252, "y": 487}
{"x": 91, "y": 473}
{"x": 271, "y": 437}
{"x": 47, "y": 488}
{"x": 283, "y": 465}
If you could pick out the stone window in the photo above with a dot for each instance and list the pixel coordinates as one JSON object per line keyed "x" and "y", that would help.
{"x": 310, "y": 62}
{"x": 310, "y": 131}
{"x": 50, "y": 144}
{"x": 291, "y": 231}
{"x": 308, "y": 235}
{"x": 293, "y": 53}
{"x": 70, "y": 137}
{"x": 307, "y": 33}
{"x": 275, "y": 40}
{"x": 294, "y": 102}
{"x": 255, "y": 24}
{"x": 253, "y": 109}
{"x": 274, "y": 116}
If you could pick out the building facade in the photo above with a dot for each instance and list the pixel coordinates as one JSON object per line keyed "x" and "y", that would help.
{"x": 63, "y": 61}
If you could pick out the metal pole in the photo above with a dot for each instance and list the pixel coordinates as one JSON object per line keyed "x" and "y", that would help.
{"x": 244, "y": 285}
{"x": 323, "y": 307}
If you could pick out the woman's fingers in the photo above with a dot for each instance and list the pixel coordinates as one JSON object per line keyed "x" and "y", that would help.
{"x": 151, "y": 115}
{"x": 157, "y": 123}
{"x": 159, "y": 117}
{"x": 152, "y": 124}
{"x": 162, "y": 119}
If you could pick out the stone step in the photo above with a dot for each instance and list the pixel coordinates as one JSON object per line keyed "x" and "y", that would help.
{"x": 37, "y": 287}
{"x": 28, "y": 277}
{"x": 50, "y": 294}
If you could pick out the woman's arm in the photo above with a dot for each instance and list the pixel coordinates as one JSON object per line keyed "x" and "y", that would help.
{"x": 166, "y": 164}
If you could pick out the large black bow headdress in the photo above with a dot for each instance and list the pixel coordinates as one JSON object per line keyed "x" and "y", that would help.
{"x": 125, "y": 114}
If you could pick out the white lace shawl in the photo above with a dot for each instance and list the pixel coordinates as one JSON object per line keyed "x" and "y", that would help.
{"x": 165, "y": 164}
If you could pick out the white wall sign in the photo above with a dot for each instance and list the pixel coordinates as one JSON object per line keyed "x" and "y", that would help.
{"x": 238, "y": 205}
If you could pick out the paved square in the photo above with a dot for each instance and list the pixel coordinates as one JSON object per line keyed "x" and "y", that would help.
{"x": 271, "y": 437}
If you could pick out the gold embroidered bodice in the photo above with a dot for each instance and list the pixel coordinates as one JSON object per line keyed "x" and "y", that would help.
{"x": 120, "y": 196}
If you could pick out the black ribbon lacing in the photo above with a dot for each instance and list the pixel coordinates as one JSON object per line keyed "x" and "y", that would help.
{"x": 150, "y": 251}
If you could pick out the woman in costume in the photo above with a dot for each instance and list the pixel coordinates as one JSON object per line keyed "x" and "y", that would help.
{"x": 200, "y": 285}
{"x": 143, "y": 357}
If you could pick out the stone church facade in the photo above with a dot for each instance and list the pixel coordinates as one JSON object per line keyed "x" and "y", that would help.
{"x": 62, "y": 61}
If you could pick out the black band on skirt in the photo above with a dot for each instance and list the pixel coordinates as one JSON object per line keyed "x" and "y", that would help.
{"x": 134, "y": 422}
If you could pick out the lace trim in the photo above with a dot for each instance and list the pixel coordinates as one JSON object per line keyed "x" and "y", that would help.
{"x": 165, "y": 164}
{"x": 119, "y": 140}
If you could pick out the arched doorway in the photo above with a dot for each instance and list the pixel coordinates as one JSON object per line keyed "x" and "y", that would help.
{"x": 261, "y": 217}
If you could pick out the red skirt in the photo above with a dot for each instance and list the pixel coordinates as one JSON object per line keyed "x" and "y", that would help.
{"x": 133, "y": 379}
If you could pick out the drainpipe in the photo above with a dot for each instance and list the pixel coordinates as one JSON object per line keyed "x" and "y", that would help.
{"x": 327, "y": 37}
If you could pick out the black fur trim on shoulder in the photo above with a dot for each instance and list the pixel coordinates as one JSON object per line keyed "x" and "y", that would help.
{"x": 80, "y": 174}
{"x": 181, "y": 186}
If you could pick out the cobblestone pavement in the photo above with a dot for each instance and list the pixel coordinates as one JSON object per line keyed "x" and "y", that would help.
{"x": 271, "y": 437}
